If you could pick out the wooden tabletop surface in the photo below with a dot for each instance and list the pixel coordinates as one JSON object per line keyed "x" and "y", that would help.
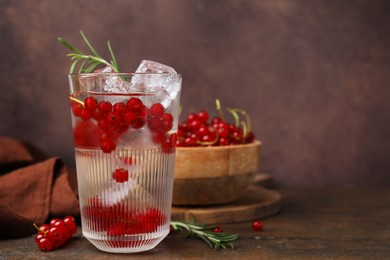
{"x": 313, "y": 224}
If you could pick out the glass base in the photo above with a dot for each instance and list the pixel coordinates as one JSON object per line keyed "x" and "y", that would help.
{"x": 131, "y": 244}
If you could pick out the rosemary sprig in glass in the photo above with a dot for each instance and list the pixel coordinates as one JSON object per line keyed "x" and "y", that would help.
{"x": 204, "y": 232}
{"x": 89, "y": 62}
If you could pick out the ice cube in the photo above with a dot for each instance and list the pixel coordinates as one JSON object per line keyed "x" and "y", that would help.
{"x": 148, "y": 66}
{"x": 111, "y": 82}
{"x": 164, "y": 88}
{"x": 136, "y": 139}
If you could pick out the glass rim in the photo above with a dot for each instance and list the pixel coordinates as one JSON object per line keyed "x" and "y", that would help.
{"x": 123, "y": 74}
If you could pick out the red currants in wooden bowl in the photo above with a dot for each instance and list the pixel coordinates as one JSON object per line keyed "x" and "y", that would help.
{"x": 215, "y": 159}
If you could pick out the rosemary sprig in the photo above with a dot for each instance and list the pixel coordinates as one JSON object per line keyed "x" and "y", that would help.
{"x": 203, "y": 231}
{"x": 90, "y": 60}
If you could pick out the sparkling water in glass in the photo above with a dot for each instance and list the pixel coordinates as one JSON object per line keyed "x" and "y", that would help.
{"x": 125, "y": 154}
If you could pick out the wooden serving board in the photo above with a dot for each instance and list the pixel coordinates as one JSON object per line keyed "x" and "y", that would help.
{"x": 256, "y": 203}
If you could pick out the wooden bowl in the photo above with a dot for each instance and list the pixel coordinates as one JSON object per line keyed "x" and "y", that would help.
{"x": 214, "y": 175}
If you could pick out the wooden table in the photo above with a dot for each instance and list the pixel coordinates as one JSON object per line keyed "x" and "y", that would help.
{"x": 313, "y": 224}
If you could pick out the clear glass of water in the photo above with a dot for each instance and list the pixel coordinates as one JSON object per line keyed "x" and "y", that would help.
{"x": 125, "y": 130}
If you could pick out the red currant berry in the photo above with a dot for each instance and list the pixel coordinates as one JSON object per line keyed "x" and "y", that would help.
{"x": 191, "y": 116}
{"x": 39, "y": 236}
{"x": 97, "y": 115}
{"x": 195, "y": 124}
{"x": 86, "y": 134}
{"x": 223, "y": 141}
{"x": 120, "y": 175}
{"x": 179, "y": 143}
{"x": 53, "y": 221}
{"x": 103, "y": 124}
{"x": 217, "y": 230}
{"x": 76, "y": 109}
{"x": 203, "y": 116}
{"x": 144, "y": 114}
{"x": 236, "y": 137}
{"x": 223, "y": 132}
{"x": 85, "y": 114}
{"x": 202, "y": 130}
{"x": 157, "y": 109}
{"x": 45, "y": 244}
{"x": 130, "y": 118}
{"x": 70, "y": 224}
{"x": 167, "y": 120}
{"x": 190, "y": 141}
{"x": 216, "y": 121}
{"x": 134, "y": 104}
{"x": 172, "y": 139}
{"x": 104, "y": 106}
{"x": 113, "y": 118}
{"x": 212, "y": 132}
{"x": 90, "y": 104}
{"x": 257, "y": 225}
{"x": 155, "y": 124}
{"x": 44, "y": 228}
{"x": 250, "y": 137}
{"x": 107, "y": 145}
{"x": 233, "y": 128}
{"x": 119, "y": 107}
{"x": 56, "y": 235}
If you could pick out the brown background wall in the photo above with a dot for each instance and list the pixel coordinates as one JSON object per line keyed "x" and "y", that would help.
{"x": 314, "y": 75}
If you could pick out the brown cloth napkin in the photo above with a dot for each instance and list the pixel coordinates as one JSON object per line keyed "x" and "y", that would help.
{"x": 33, "y": 187}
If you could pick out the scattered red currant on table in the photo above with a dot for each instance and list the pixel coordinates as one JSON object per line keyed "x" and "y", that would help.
{"x": 56, "y": 233}
{"x": 257, "y": 225}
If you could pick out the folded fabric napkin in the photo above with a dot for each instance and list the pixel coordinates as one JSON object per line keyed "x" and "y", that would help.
{"x": 33, "y": 187}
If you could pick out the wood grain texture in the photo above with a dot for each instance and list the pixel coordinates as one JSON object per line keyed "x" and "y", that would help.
{"x": 217, "y": 161}
{"x": 315, "y": 223}
{"x": 314, "y": 75}
{"x": 255, "y": 203}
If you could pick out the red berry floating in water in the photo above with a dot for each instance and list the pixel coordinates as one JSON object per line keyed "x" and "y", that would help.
{"x": 134, "y": 104}
{"x": 257, "y": 225}
{"x": 90, "y": 104}
{"x": 120, "y": 175}
{"x": 104, "y": 106}
{"x": 157, "y": 110}
{"x": 107, "y": 146}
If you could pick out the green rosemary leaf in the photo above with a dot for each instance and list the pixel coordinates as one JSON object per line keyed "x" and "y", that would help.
{"x": 91, "y": 61}
{"x": 68, "y": 45}
{"x": 113, "y": 62}
{"x": 72, "y": 67}
{"x": 81, "y": 66}
{"x": 92, "y": 67}
{"x": 89, "y": 45}
{"x": 203, "y": 232}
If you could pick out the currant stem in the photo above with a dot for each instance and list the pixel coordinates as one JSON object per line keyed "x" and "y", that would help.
{"x": 39, "y": 230}
{"x": 77, "y": 100}
{"x": 204, "y": 143}
{"x": 247, "y": 117}
{"x": 235, "y": 115}
{"x": 218, "y": 103}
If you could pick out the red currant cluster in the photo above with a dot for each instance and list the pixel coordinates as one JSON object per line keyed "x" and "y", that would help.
{"x": 56, "y": 233}
{"x": 196, "y": 131}
{"x": 117, "y": 220}
{"x": 103, "y": 123}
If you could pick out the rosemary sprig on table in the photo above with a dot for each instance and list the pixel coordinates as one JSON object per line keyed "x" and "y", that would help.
{"x": 204, "y": 232}
{"x": 90, "y": 61}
